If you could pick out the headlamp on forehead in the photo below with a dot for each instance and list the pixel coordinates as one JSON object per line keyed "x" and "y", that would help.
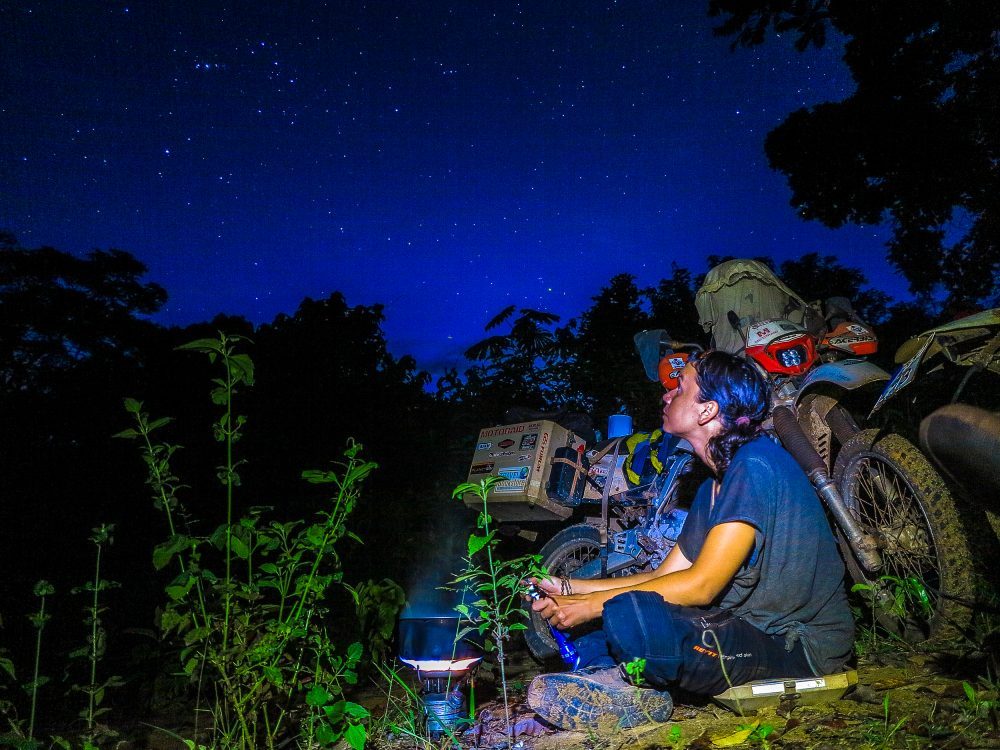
{"x": 671, "y": 367}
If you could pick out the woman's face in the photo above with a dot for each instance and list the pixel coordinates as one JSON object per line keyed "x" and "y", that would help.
{"x": 682, "y": 404}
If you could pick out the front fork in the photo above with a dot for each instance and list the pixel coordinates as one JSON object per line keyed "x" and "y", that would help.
{"x": 863, "y": 545}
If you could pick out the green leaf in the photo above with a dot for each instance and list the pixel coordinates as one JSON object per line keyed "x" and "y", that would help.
{"x": 43, "y": 588}
{"x": 127, "y": 434}
{"x": 176, "y": 592}
{"x": 335, "y": 711}
{"x": 358, "y": 473}
{"x": 356, "y": 735}
{"x": 163, "y": 553}
{"x": 316, "y": 535}
{"x": 8, "y": 666}
{"x": 476, "y": 543}
{"x": 970, "y": 692}
{"x": 269, "y": 568}
{"x": 239, "y": 545}
{"x": 218, "y": 537}
{"x": 326, "y": 735}
{"x": 318, "y": 696}
{"x": 202, "y": 345}
{"x": 354, "y": 652}
{"x": 274, "y": 675}
{"x": 315, "y": 476}
{"x": 462, "y": 489}
{"x": 132, "y": 406}
{"x": 354, "y": 711}
{"x": 242, "y": 367}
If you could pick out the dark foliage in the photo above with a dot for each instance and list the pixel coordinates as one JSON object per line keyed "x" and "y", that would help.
{"x": 916, "y": 144}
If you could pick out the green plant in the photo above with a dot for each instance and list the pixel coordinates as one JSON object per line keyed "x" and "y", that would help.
{"x": 675, "y": 736}
{"x": 42, "y": 590}
{"x": 93, "y": 651}
{"x": 881, "y": 733}
{"x": 404, "y": 712}
{"x": 15, "y": 734}
{"x": 897, "y": 596}
{"x": 497, "y": 584}
{"x": 977, "y": 706}
{"x": 635, "y": 669}
{"x": 256, "y": 632}
{"x": 378, "y": 605}
{"x": 760, "y": 734}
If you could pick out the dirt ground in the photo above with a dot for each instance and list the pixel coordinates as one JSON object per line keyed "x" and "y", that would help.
{"x": 904, "y": 699}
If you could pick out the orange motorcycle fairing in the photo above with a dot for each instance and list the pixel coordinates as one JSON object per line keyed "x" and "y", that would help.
{"x": 853, "y": 338}
{"x": 781, "y": 347}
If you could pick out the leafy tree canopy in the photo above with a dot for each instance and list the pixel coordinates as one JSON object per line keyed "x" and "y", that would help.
{"x": 58, "y": 311}
{"x": 916, "y": 144}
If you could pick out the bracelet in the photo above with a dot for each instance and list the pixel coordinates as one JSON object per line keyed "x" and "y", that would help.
{"x": 565, "y": 588}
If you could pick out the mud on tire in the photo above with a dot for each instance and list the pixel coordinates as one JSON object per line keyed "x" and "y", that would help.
{"x": 927, "y": 579}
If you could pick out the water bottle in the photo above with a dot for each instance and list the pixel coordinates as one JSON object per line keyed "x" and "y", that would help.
{"x": 619, "y": 425}
{"x": 566, "y": 648}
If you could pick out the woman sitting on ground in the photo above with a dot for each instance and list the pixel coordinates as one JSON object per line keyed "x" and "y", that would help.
{"x": 752, "y": 590}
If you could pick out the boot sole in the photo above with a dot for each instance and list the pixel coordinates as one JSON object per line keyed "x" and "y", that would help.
{"x": 576, "y": 703}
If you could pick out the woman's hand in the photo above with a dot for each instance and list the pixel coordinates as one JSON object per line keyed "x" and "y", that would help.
{"x": 548, "y": 586}
{"x": 565, "y": 612}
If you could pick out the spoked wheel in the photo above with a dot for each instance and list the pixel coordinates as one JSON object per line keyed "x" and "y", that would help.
{"x": 926, "y": 578}
{"x": 562, "y": 555}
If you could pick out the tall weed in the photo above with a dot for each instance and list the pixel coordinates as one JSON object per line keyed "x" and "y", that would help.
{"x": 497, "y": 586}
{"x": 247, "y": 605}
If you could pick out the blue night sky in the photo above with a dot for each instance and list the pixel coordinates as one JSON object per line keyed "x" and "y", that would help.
{"x": 443, "y": 159}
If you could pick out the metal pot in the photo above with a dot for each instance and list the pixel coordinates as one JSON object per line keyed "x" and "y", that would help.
{"x": 433, "y": 638}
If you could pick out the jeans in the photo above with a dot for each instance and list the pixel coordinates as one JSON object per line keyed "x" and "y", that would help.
{"x": 694, "y": 649}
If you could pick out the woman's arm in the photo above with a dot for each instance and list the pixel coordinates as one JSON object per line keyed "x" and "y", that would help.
{"x": 726, "y": 547}
{"x": 673, "y": 562}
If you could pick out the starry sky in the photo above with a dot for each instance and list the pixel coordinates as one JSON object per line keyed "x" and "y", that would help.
{"x": 444, "y": 159}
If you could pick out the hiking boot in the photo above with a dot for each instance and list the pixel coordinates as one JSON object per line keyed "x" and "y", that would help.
{"x": 590, "y": 698}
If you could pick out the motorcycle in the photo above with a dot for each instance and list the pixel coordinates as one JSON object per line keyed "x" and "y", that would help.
{"x": 963, "y": 440}
{"x": 900, "y": 530}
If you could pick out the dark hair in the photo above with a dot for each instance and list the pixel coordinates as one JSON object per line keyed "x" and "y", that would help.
{"x": 744, "y": 399}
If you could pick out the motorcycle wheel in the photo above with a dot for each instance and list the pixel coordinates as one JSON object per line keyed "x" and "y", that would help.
{"x": 561, "y": 555}
{"x": 927, "y": 574}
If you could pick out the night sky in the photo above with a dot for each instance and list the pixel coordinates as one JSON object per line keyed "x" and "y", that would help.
{"x": 444, "y": 159}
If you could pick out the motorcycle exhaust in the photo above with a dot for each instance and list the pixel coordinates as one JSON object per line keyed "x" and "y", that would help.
{"x": 864, "y": 546}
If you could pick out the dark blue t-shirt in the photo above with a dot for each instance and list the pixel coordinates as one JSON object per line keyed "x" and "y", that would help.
{"x": 792, "y": 581}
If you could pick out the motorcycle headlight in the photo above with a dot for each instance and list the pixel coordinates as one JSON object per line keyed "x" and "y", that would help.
{"x": 793, "y": 357}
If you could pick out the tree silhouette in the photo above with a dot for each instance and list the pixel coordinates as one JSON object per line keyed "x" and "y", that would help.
{"x": 818, "y": 278}
{"x": 916, "y": 144}
{"x": 605, "y": 374}
{"x": 60, "y": 313}
{"x": 672, "y": 306}
{"x": 516, "y": 368}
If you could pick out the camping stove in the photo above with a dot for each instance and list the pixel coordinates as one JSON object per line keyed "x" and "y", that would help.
{"x": 443, "y": 666}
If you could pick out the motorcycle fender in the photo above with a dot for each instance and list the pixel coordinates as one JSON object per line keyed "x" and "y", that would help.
{"x": 847, "y": 374}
